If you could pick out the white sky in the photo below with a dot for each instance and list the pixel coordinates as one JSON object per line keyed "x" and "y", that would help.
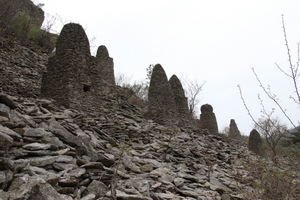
{"x": 215, "y": 41}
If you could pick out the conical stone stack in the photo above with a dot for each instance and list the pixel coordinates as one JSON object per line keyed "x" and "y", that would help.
{"x": 161, "y": 106}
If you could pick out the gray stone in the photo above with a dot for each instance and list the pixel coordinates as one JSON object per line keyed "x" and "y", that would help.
{"x": 8, "y": 100}
{"x": 9, "y": 132}
{"x": 5, "y": 141}
{"x": 33, "y": 188}
{"x": 63, "y": 166}
{"x": 36, "y": 146}
{"x": 97, "y": 188}
{"x": 35, "y": 132}
{"x": 78, "y": 172}
{"x": 105, "y": 160}
{"x": 65, "y": 182}
{"x": 37, "y": 161}
{"x": 123, "y": 195}
{"x": 67, "y": 137}
{"x": 130, "y": 165}
{"x": 179, "y": 182}
{"x": 64, "y": 159}
{"x": 93, "y": 165}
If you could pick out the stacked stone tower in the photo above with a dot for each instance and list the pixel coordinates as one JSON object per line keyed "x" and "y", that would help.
{"x": 180, "y": 101}
{"x": 234, "y": 132}
{"x": 161, "y": 105}
{"x": 74, "y": 78}
{"x": 255, "y": 142}
{"x": 208, "y": 119}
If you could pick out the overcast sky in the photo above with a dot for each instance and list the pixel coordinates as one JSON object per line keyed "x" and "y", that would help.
{"x": 215, "y": 41}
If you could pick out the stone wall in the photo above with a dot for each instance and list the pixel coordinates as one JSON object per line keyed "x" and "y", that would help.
{"x": 208, "y": 119}
{"x": 161, "y": 104}
{"x": 21, "y": 68}
{"x": 74, "y": 78}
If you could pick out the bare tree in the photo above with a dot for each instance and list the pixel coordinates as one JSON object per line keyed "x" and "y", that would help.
{"x": 192, "y": 89}
{"x": 271, "y": 127}
{"x": 273, "y": 131}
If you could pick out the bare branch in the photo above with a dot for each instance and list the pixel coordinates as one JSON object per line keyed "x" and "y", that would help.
{"x": 273, "y": 97}
{"x": 293, "y": 69}
{"x": 192, "y": 90}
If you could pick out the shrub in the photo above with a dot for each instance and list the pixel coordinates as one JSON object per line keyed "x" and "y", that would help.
{"x": 34, "y": 34}
{"x": 272, "y": 182}
{"x": 20, "y": 25}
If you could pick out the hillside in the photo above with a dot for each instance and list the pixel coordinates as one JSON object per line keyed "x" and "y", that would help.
{"x": 68, "y": 132}
{"x": 62, "y": 153}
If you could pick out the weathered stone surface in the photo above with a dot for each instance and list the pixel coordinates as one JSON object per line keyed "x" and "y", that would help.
{"x": 21, "y": 69}
{"x": 105, "y": 160}
{"x": 80, "y": 80}
{"x": 123, "y": 195}
{"x": 64, "y": 182}
{"x": 32, "y": 188}
{"x": 97, "y": 188}
{"x": 234, "y": 132}
{"x": 127, "y": 160}
{"x": 35, "y": 132}
{"x": 9, "y": 132}
{"x": 105, "y": 65}
{"x": 67, "y": 137}
{"x": 161, "y": 104}
{"x": 255, "y": 142}
{"x": 180, "y": 101}
{"x": 36, "y": 146}
{"x": 5, "y": 141}
{"x": 8, "y": 100}
{"x": 208, "y": 119}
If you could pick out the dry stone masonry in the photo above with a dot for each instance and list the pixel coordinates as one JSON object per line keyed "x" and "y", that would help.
{"x": 255, "y": 142}
{"x": 74, "y": 78}
{"x": 72, "y": 145}
{"x": 234, "y": 132}
{"x": 161, "y": 103}
{"x": 180, "y": 100}
{"x": 208, "y": 119}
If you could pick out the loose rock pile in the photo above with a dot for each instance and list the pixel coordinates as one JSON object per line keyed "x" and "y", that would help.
{"x": 52, "y": 153}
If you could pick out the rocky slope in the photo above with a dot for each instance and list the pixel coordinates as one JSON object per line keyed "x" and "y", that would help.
{"x": 49, "y": 152}
{"x": 53, "y": 153}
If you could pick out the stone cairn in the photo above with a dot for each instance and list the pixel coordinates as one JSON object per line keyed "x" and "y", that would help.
{"x": 180, "y": 100}
{"x": 161, "y": 104}
{"x": 255, "y": 142}
{"x": 208, "y": 119}
{"x": 234, "y": 132}
{"x": 74, "y": 78}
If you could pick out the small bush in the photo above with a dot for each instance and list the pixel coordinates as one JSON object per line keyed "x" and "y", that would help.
{"x": 20, "y": 25}
{"x": 272, "y": 182}
{"x": 34, "y": 34}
